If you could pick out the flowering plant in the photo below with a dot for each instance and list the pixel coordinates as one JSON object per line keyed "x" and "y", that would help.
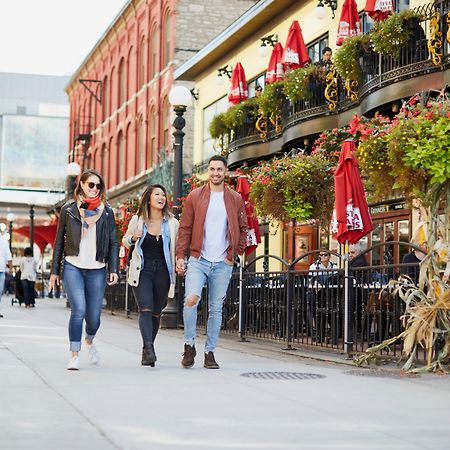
{"x": 297, "y": 82}
{"x": 347, "y": 56}
{"x": 127, "y": 210}
{"x": 294, "y": 188}
{"x": 329, "y": 144}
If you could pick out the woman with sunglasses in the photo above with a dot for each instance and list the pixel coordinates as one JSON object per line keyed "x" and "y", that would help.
{"x": 151, "y": 237}
{"x": 86, "y": 246}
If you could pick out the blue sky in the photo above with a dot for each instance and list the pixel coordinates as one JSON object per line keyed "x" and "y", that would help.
{"x": 51, "y": 37}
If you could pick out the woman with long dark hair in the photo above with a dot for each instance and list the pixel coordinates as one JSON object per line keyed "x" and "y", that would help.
{"x": 86, "y": 246}
{"x": 151, "y": 237}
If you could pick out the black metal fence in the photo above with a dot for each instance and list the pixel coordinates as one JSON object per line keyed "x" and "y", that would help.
{"x": 304, "y": 307}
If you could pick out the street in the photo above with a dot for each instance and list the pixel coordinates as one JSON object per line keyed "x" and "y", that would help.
{"x": 121, "y": 405}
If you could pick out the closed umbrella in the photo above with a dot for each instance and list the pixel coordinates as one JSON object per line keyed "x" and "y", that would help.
{"x": 379, "y": 10}
{"x": 349, "y": 24}
{"x": 275, "y": 70}
{"x": 351, "y": 218}
{"x": 253, "y": 232}
{"x": 295, "y": 53}
{"x": 239, "y": 88}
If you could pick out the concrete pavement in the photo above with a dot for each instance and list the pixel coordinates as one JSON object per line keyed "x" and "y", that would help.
{"x": 121, "y": 405}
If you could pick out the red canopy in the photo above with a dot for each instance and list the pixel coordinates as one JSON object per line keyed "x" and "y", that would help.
{"x": 275, "y": 70}
{"x": 239, "y": 89}
{"x": 351, "y": 219}
{"x": 43, "y": 234}
{"x": 379, "y": 10}
{"x": 349, "y": 24}
{"x": 253, "y": 233}
{"x": 295, "y": 54}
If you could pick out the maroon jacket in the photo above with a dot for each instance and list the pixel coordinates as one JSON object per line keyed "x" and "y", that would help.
{"x": 190, "y": 234}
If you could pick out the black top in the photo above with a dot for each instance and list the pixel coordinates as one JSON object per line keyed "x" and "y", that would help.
{"x": 411, "y": 271}
{"x": 152, "y": 248}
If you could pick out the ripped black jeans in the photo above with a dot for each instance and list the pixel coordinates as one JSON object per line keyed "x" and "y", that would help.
{"x": 151, "y": 296}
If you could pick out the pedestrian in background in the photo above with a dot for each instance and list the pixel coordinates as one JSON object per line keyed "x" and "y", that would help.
{"x": 86, "y": 245}
{"x": 5, "y": 261}
{"x": 28, "y": 277}
{"x": 151, "y": 239}
{"x": 213, "y": 230}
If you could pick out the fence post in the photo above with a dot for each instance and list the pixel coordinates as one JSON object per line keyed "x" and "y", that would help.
{"x": 242, "y": 301}
{"x": 289, "y": 303}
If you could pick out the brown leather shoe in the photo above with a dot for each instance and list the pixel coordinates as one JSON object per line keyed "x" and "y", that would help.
{"x": 210, "y": 362}
{"x": 188, "y": 356}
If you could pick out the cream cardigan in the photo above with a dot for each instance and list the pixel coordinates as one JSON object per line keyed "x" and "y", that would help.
{"x": 136, "y": 223}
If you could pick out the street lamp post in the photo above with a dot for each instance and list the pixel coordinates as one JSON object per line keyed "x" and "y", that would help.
{"x": 32, "y": 226}
{"x": 180, "y": 98}
{"x": 10, "y": 217}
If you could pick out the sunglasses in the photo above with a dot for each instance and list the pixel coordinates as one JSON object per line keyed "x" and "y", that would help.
{"x": 91, "y": 185}
{"x": 324, "y": 254}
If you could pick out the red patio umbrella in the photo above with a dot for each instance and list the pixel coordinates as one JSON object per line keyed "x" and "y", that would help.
{"x": 295, "y": 54}
{"x": 349, "y": 24}
{"x": 43, "y": 234}
{"x": 275, "y": 69}
{"x": 253, "y": 233}
{"x": 239, "y": 88}
{"x": 351, "y": 218}
{"x": 379, "y": 10}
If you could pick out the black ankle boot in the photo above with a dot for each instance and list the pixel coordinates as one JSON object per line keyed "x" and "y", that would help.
{"x": 148, "y": 355}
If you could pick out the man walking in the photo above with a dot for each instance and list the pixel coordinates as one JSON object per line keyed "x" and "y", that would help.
{"x": 213, "y": 230}
{"x": 5, "y": 260}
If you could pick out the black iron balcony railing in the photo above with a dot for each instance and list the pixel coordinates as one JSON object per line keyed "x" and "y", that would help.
{"x": 427, "y": 51}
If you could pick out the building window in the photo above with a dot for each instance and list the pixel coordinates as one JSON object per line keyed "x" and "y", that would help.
{"x": 167, "y": 36}
{"x": 105, "y": 161}
{"x": 105, "y": 99}
{"x": 122, "y": 82}
{"x": 166, "y": 123}
{"x": 111, "y": 105}
{"x": 154, "y": 58}
{"x": 151, "y": 137}
{"x": 260, "y": 80}
{"x": 142, "y": 61}
{"x": 121, "y": 157}
{"x": 401, "y": 5}
{"x": 208, "y": 113}
{"x": 366, "y": 22}
{"x": 141, "y": 146}
{"x": 316, "y": 47}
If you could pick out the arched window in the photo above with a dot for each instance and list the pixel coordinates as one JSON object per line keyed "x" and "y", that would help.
{"x": 141, "y": 145}
{"x": 120, "y": 158}
{"x": 112, "y": 103}
{"x": 105, "y": 161}
{"x": 142, "y": 62}
{"x": 105, "y": 98}
{"x": 122, "y": 82}
{"x": 167, "y": 39}
{"x": 152, "y": 121}
{"x": 166, "y": 123}
{"x": 154, "y": 58}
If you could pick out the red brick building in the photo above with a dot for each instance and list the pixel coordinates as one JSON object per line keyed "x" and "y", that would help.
{"x": 120, "y": 117}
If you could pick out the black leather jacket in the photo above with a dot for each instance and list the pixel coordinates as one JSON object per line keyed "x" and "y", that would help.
{"x": 68, "y": 237}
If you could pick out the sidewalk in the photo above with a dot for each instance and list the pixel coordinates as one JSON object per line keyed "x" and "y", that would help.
{"x": 121, "y": 405}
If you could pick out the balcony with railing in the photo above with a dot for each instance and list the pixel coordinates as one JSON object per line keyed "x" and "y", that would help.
{"x": 422, "y": 64}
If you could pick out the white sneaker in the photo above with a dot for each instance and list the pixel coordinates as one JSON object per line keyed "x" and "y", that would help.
{"x": 93, "y": 355}
{"x": 74, "y": 363}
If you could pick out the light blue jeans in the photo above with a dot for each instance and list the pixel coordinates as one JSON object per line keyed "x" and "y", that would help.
{"x": 2, "y": 284}
{"x": 85, "y": 289}
{"x": 217, "y": 277}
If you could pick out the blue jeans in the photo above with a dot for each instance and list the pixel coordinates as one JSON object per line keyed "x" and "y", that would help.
{"x": 2, "y": 284}
{"x": 85, "y": 289}
{"x": 217, "y": 277}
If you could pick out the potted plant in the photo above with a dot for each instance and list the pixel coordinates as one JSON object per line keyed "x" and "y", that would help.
{"x": 346, "y": 58}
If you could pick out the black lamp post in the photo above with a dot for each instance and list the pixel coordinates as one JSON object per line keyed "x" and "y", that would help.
{"x": 10, "y": 218}
{"x": 32, "y": 226}
{"x": 180, "y": 97}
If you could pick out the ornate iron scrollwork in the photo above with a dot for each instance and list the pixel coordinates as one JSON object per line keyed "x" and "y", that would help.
{"x": 435, "y": 40}
{"x": 261, "y": 125}
{"x": 331, "y": 93}
{"x": 351, "y": 88}
{"x": 448, "y": 27}
{"x": 275, "y": 120}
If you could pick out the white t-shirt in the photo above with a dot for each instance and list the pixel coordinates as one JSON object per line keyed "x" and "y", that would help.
{"x": 215, "y": 234}
{"x": 88, "y": 249}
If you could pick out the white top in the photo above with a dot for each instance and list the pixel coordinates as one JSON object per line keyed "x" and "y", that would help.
{"x": 5, "y": 253}
{"x": 215, "y": 232}
{"x": 28, "y": 268}
{"x": 88, "y": 249}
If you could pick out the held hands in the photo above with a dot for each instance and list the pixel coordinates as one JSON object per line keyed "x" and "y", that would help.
{"x": 113, "y": 279}
{"x": 180, "y": 266}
